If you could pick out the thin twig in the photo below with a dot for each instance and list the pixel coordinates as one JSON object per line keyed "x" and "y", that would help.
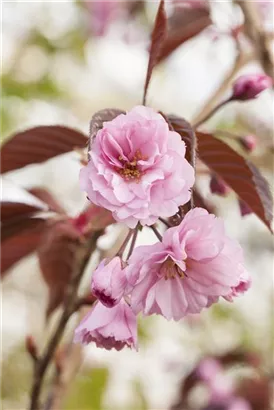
{"x": 211, "y": 113}
{"x": 166, "y": 223}
{"x": 44, "y": 361}
{"x": 124, "y": 244}
{"x": 254, "y": 30}
{"x": 135, "y": 233}
{"x": 241, "y": 60}
{"x": 61, "y": 381}
{"x": 157, "y": 233}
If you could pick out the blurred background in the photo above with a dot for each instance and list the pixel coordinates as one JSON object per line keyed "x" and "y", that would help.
{"x": 62, "y": 62}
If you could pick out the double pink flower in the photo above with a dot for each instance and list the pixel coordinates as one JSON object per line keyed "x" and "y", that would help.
{"x": 190, "y": 269}
{"x": 137, "y": 168}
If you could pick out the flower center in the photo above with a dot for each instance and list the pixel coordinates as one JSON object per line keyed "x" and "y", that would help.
{"x": 170, "y": 270}
{"x": 130, "y": 170}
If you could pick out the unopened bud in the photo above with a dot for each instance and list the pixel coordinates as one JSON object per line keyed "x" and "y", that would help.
{"x": 249, "y": 86}
{"x": 244, "y": 208}
{"x": 248, "y": 142}
{"x": 59, "y": 358}
{"x": 80, "y": 222}
{"x": 31, "y": 347}
{"x": 218, "y": 186}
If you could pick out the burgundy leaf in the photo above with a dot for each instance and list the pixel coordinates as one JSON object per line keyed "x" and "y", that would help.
{"x": 46, "y": 197}
{"x": 257, "y": 391}
{"x": 57, "y": 257}
{"x": 185, "y": 24}
{"x": 11, "y": 210}
{"x": 241, "y": 175}
{"x": 38, "y": 144}
{"x": 98, "y": 120}
{"x": 187, "y": 133}
{"x": 16, "y": 226}
{"x": 16, "y": 247}
{"x": 157, "y": 40}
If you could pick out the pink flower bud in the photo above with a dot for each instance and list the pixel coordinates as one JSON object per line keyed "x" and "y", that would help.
{"x": 108, "y": 282}
{"x": 248, "y": 142}
{"x": 108, "y": 327}
{"x": 249, "y": 86}
{"x": 218, "y": 186}
{"x": 244, "y": 208}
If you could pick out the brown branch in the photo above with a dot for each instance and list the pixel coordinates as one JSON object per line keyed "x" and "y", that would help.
{"x": 43, "y": 362}
{"x": 61, "y": 380}
{"x": 241, "y": 60}
{"x": 254, "y": 31}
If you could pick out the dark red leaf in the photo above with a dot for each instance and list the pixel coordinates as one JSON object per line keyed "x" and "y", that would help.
{"x": 98, "y": 120}
{"x": 257, "y": 391}
{"x": 241, "y": 175}
{"x": 185, "y": 24}
{"x": 16, "y": 247}
{"x": 18, "y": 225}
{"x": 38, "y": 144}
{"x": 11, "y": 210}
{"x": 57, "y": 255}
{"x": 46, "y": 197}
{"x": 187, "y": 133}
{"x": 157, "y": 40}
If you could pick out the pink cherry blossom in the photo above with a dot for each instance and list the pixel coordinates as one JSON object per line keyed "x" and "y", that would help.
{"x": 190, "y": 269}
{"x": 243, "y": 285}
{"x": 248, "y": 86}
{"x": 239, "y": 403}
{"x": 108, "y": 282}
{"x": 137, "y": 168}
{"x": 102, "y": 14}
{"x": 208, "y": 369}
{"x": 193, "y": 4}
{"x": 108, "y": 327}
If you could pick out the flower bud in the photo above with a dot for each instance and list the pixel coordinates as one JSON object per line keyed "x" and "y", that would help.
{"x": 31, "y": 347}
{"x": 244, "y": 208}
{"x": 248, "y": 142}
{"x": 109, "y": 282}
{"x": 218, "y": 186}
{"x": 249, "y": 86}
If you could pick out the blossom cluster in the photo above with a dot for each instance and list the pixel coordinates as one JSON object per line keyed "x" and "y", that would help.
{"x": 137, "y": 169}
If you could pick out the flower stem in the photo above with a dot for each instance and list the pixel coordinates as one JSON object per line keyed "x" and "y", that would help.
{"x": 212, "y": 112}
{"x": 124, "y": 244}
{"x": 135, "y": 233}
{"x": 157, "y": 233}
{"x": 44, "y": 360}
